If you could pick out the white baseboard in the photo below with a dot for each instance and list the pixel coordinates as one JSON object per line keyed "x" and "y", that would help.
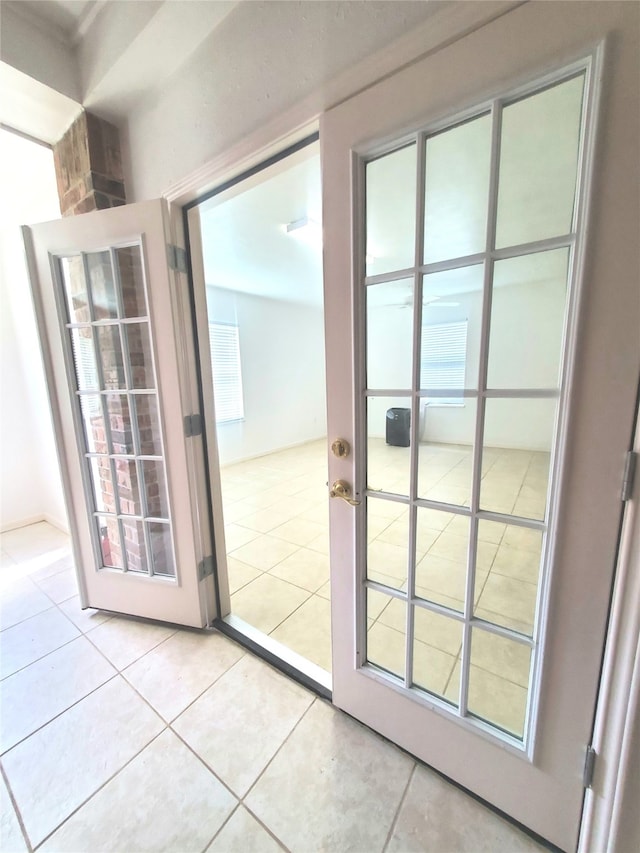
{"x": 230, "y": 462}
{"x": 58, "y": 523}
{"x": 7, "y": 526}
{"x": 20, "y": 522}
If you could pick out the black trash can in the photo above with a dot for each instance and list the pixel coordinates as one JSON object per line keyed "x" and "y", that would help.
{"x": 398, "y": 427}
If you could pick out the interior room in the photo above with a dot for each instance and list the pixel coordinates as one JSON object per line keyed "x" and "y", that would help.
{"x": 262, "y": 248}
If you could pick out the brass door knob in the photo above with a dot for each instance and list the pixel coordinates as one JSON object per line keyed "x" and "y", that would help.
{"x": 342, "y": 489}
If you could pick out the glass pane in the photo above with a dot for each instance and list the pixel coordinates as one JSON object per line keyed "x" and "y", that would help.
{"x": 135, "y": 546}
{"x": 445, "y": 452}
{"x": 109, "y": 537}
{"x": 103, "y": 292}
{"x": 75, "y": 289}
{"x": 390, "y": 335}
{"x": 519, "y": 549}
{"x": 386, "y": 644}
{"x": 538, "y": 164}
{"x": 442, "y": 544}
{"x": 93, "y": 423}
{"x": 391, "y": 211}
{"x": 129, "y": 263}
{"x": 436, "y": 646}
{"x": 499, "y": 680}
{"x": 388, "y": 451}
{"x": 120, "y": 423}
{"x": 388, "y": 542}
{"x": 518, "y": 436}
{"x": 148, "y": 421}
{"x": 457, "y": 191}
{"x": 140, "y": 356}
{"x": 155, "y": 487}
{"x": 110, "y": 350}
{"x": 128, "y": 487}
{"x": 84, "y": 359}
{"x": 161, "y": 550}
{"x": 100, "y": 468}
{"x": 527, "y": 320}
{"x": 506, "y": 595}
{"x": 451, "y": 330}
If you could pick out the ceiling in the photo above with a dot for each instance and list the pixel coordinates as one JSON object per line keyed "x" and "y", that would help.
{"x": 245, "y": 243}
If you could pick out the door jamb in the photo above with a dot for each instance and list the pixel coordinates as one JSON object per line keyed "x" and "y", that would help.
{"x": 618, "y": 701}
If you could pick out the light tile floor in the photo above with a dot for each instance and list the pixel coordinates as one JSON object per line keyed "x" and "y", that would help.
{"x": 276, "y": 514}
{"x": 123, "y": 735}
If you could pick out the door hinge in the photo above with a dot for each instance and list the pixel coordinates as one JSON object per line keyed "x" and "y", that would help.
{"x": 589, "y": 767}
{"x": 628, "y": 478}
{"x": 205, "y": 568}
{"x": 192, "y": 425}
{"x": 177, "y": 258}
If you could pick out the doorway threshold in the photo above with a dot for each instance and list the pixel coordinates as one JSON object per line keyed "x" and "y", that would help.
{"x": 292, "y": 664}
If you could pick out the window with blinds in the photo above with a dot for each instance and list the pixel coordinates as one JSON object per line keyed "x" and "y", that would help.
{"x": 443, "y": 354}
{"x": 86, "y": 370}
{"x": 227, "y": 375}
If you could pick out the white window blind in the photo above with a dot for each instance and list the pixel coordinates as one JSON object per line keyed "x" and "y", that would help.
{"x": 443, "y": 356}
{"x": 86, "y": 371}
{"x": 227, "y": 376}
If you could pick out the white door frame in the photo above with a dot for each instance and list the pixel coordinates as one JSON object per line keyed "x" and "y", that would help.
{"x": 610, "y": 818}
{"x": 614, "y": 715}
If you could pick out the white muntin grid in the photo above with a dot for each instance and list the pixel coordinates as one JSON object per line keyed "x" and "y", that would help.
{"x": 130, "y": 393}
{"x": 573, "y": 241}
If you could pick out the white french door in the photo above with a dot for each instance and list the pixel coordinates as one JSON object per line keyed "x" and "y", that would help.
{"x": 471, "y": 580}
{"x": 111, "y": 324}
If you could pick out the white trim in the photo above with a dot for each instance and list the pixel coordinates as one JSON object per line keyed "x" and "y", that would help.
{"x": 35, "y": 519}
{"x": 619, "y": 695}
{"x": 234, "y": 461}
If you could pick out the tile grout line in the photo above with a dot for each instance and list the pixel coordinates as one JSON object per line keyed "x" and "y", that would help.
{"x": 29, "y": 576}
{"x": 278, "y": 750}
{"x": 60, "y": 714}
{"x": 167, "y": 726}
{"x": 202, "y": 760}
{"x": 396, "y": 816}
{"x": 16, "y": 810}
{"x": 222, "y": 826}
{"x": 41, "y": 657}
{"x": 62, "y": 601}
{"x": 295, "y": 610}
{"x": 100, "y": 787}
{"x": 265, "y": 827}
{"x": 26, "y": 619}
{"x": 135, "y": 660}
{"x": 200, "y": 695}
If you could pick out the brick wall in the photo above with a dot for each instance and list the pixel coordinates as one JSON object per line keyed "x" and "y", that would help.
{"x": 88, "y": 166}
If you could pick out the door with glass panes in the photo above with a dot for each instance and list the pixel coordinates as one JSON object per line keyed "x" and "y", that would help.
{"x": 470, "y": 580}
{"x": 112, "y": 329}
